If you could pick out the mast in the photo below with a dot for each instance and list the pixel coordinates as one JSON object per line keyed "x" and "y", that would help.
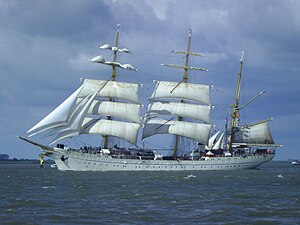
{"x": 113, "y": 68}
{"x": 184, "y": 79}
{"x": 114, "y": 64}
{"x": 92, "y": 107}
{"x": 235, "y": 115}
{"x": 186, "y": 67}
{"x": 113, "y": 75}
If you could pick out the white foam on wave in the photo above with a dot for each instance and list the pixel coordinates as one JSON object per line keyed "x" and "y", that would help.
{"x": 48, "y": 187}
{"x": 189, "y": 176}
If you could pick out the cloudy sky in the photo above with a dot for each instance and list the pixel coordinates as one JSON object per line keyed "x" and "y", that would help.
{"x": 45, "y": 47}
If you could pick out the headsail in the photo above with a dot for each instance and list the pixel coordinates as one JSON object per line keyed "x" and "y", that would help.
{"x": 58, "y": 116}
{"x": 82, "y": 112}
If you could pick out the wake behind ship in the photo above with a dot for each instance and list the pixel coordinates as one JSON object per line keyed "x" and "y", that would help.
{"x": 111, "y": 109}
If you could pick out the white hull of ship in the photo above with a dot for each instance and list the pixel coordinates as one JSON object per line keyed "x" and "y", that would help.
{"x": 78, "y": 161}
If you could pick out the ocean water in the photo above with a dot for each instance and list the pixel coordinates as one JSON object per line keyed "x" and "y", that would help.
{"x": 269, "y": 195}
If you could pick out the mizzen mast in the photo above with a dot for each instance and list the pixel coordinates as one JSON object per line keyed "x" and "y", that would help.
{"x": 235, "y": 115}
{"x": 186, "y": 68}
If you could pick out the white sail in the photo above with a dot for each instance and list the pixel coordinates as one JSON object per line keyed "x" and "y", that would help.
{"x": 73, "y": 115}
{"x": 111, "y": 89}
{"x": 58, "y": 117}
{"x": 255, "y": 134}
{"x": 120, "y": 110}
{"x": 186, "y": 110}
{"x": 218, "y": 144}
{"x": 182, "y": 90}
{"x": 195, "y": 131}
{"x": 212, "y": 141}
{"x": 124, "y": 130}
{"x": 74, "y": 127}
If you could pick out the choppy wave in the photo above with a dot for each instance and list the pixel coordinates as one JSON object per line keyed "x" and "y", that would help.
{"x": 32, "y": 195}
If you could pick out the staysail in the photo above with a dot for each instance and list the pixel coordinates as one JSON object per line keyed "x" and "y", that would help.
{"x": 58, "y": 116}
{"x": 212, "y": 141}
{"x": 83, "y": 104}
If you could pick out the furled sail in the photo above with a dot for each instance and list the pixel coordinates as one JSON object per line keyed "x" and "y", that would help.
{"x": 186, "y": 110}
{"x": 111, "y": 89}
{"x": 124, "y": 130}
{"x": 255, "y": 134}
{"x": 182, "y": 90}
{"x": 196, "y": 131}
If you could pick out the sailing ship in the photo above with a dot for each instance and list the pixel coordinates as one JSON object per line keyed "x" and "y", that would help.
{"x": 180, "y": 108}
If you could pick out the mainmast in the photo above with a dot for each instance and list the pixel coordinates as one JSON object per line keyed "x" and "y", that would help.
{"x": 186, "y": 68}
{"x": 235, "y": 115}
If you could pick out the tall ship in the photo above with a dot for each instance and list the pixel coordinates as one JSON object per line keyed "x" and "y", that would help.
{"x": 110, "y": 110}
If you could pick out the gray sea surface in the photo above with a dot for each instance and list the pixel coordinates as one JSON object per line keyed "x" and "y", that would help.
{"x": 31, "y": 195}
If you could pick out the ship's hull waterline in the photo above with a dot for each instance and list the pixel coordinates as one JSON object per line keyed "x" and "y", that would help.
{"x": 78, "y": 161}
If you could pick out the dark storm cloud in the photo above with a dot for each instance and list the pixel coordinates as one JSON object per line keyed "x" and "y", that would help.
{"x": 60, "y": 19}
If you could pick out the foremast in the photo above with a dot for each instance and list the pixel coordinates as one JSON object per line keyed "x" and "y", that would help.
{"x": 185, "y": 79}
{"x": 113, "y": 76}
{"x": 114, "y": 64}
